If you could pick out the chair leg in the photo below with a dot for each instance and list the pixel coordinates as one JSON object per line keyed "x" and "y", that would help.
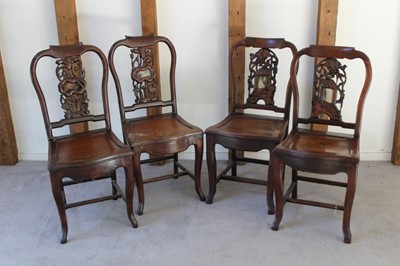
{"x": 294, "y": 180}
{"x": 212, "y": 168}
{"x": 198, "y": 147}
{"x": 129, "y": 188}
{"x": 114, "y": 179}
{"x": 234, "y": 162}
{"x": 57, "y": 189}
{"x": 277, "y": 166}
{"x": 137, "y": 172}
{"x": 348, "y": 203}
{"x": 270, "y": 189}
{"x": 176, "y": 168}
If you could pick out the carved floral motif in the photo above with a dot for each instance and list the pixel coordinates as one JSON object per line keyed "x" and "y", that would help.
{"x": 143, "y": 76}
{"x": 328, "y": 91}
{"x": 262, "y": 78}
{"x": 72, "y": 86}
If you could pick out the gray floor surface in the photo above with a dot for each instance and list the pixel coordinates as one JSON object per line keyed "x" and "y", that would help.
{"x": 177, "y": 229}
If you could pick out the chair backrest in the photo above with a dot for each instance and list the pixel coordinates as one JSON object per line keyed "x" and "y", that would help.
{"x": 141, "y": 83}
{"x": 262, "y": 74}
{"x": 72, "y": 87}
{"x": 328, "y": 86}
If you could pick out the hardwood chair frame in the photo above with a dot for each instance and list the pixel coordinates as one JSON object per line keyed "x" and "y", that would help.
{"x": 241, "y": 131}
{"x": 164, "y": 135}
{"x": 321, "y": 152}
{"x": 85, "y": 156}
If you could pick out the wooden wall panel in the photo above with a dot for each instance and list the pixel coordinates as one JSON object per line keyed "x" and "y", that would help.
{"x": 8, "y": 144}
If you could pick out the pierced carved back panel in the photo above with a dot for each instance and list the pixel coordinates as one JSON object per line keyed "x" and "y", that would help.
{"x": 261, "y": 82}
{"x": 328, "y": 91}
{"x": 143, "y": 75}
{"x": 72, "y": 87}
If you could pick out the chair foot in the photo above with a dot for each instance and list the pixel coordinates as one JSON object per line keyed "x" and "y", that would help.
{"x": 275, "y": 225}
{"x": 201, "y": 195}
{"x": 140, "y": 208}
{"x": 64, "y": 233}
{"x": 209, "y": 199}
{"x": 133, "y": 221}
{"x": 271, "y": 207}
{"x": 347, "y": 236}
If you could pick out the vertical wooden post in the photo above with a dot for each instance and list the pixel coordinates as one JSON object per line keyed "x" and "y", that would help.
{"x": 326, "y": 32}
{"x": 149, "y": 17}
{"x": 67, "y": 21}
{"x": 8, "y": 144}
{"x": 396, "y": 135}
{"x": 327, "y": 21}
{"x": 67, "y": 26}
{"x": 237, "y": 31}
{"x": 150, "y": 26}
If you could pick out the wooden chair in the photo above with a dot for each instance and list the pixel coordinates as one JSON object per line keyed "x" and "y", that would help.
{"x": 161, "y": 135}
{"x": 243, "y": 130}
{"x": 323, "y": 152}
{"x": 91, "y": 154}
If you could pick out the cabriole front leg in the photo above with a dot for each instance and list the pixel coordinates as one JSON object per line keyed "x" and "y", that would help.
{"x": 277, "y": 176}
{"x": 129, "y": 190}
{"x": 270, "y": 188}
{"x": 198, "y": 147}
{"x": 137, "y": 172}
{"x": 348, "y": 203}
{"x": 57, "y": 189}
{"x": 211, "y": 166}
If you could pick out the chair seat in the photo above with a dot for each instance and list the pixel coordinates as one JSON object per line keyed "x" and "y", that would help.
{"x": 311, "y": 144}
{"x": 250, "y": 126}
{"x": 84, "y": 149}
{"x": 158, "y": 129}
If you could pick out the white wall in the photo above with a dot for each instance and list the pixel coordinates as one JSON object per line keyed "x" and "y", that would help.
{"x": 199, "y": 30}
